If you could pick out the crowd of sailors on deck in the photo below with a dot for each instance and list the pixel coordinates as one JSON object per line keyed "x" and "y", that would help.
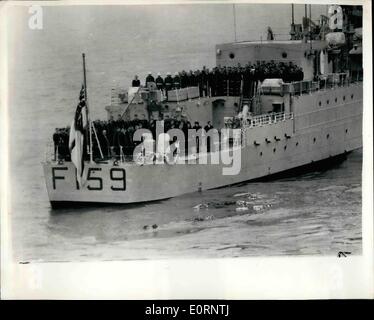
{"x": 222, "y": 81}
{"x": 116, "y": 137}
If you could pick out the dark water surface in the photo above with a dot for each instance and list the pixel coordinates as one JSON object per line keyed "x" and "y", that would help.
{"x": 317, "y": 213}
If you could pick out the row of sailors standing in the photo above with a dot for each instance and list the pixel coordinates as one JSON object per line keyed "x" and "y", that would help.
{"x": 116, "y": 137}
{"x": 178, "y": 81}
{"x": 206, "y": 80}
{"x": 221, "y": 81}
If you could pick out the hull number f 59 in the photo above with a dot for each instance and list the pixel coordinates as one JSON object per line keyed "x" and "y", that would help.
{"x": 94, "y": 182}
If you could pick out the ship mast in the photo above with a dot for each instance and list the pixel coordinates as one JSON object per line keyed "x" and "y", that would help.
{"x": 310, "y": 26}
{"x": 233, "y": 8}
{"x": 292, "y": 23}
{"x": 87, "y": 111}
{"x": 305, "y": 40}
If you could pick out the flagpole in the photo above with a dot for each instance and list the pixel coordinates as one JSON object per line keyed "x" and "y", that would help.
{"x": 233, "y": 8}
{"x": 87, "y": 111}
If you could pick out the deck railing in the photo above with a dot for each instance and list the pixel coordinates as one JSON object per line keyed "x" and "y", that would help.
{"x": 267, "y": 119}
{"x": 121, "y": 157}
{"x": 327, "y": 81}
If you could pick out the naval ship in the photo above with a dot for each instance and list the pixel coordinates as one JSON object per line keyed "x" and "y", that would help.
{"x": 283, "y": 125}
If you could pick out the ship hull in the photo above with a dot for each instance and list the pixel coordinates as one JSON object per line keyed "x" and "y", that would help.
{"x": 324, "y": 164}
{"x": 326, "y": 125}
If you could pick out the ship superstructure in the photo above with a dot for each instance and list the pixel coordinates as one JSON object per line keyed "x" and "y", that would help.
{"x": 283, "y": 123}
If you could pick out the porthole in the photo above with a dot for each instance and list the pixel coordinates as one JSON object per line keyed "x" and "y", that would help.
{"x": 261, "y": 154}
{"x": 328, "y": 101}
{"x": 327, "y": 136}
{"x": 314, "y": 140}
{"x": 297, "y": 143}
{"x": 351, "y": 96}
{"x": 336, "y": 100}
{"x": 343, "y": 98}
{"x": 320, "y": 103}
{"x": 232, "y": 55}
{"x": 346, "y": 130}
{"x": 285, "y": 147}
{"x": 284, "y": 54}
{"x": 274, "y": 150}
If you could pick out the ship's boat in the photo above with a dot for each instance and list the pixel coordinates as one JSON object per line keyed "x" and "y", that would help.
{"x": 294, "y": 104}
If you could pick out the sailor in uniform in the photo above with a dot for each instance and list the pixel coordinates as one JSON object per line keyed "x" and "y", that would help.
{"x": 197, "y": 127}
{"x": 204, "y": 81}
{"x": 184, "y": 79}
{"x": 191, "y": 79}
{"x": 270, "y": 34}
{"x": 176, "y": 81}
{"x": 168, "y": 83}
{"x": 159, "y": 82}
{"x": 135, "y": 82}
{"x": 212, "y": 83}
{"x": 207, "y": 128}
{"x": 149, "y": 79}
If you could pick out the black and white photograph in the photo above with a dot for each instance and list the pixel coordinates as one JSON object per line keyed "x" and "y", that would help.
{"x": 185, "y": 131}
